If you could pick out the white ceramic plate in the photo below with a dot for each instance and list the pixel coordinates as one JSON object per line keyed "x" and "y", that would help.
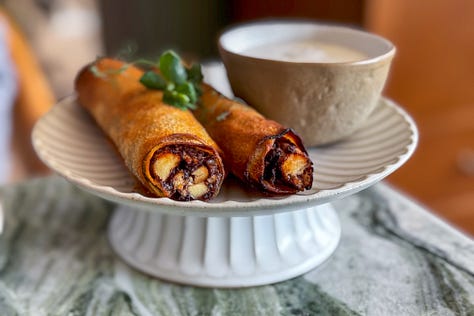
{"x": 69, "y": 142}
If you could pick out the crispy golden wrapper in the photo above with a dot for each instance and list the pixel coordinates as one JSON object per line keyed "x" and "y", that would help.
{"x": 259, "y": 151}
{"x": 164, "y": 147}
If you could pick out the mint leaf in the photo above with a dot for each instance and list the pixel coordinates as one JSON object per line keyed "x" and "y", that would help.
{"x": 172, "y": 68}
{"x": 191, "y": 106}
{"x": 176, "y": 99}
{"x": 188, "y": 89}
{"x": 153, "y": 80}
{"x": 195, "y": 74}
{"x": 181, "y": 86}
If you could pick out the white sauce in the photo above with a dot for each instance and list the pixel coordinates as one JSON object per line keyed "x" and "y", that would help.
{"x": 306, "y": 51}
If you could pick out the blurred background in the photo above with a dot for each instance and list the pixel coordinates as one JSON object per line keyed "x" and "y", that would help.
{"x": 432, "y": 76}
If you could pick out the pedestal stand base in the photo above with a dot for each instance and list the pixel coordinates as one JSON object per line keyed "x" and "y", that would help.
{"x": 225, "y": 251}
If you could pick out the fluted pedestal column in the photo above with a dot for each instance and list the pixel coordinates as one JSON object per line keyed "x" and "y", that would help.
{"x": 225, "y": 251}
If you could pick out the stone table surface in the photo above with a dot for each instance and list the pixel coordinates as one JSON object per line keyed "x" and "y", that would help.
{"x": 394, "y": 258}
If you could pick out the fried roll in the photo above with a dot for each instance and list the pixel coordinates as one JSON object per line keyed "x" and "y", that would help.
{"x": 164, "y": 147}
{"x": 259, "y": 151}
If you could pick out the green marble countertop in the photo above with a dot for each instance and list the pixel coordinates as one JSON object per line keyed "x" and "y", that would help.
{"x": 394, "y": 258}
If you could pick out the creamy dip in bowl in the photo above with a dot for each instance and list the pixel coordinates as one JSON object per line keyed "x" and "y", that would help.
{"x": 307, "y": 51}
{"x": 321, "y": 80}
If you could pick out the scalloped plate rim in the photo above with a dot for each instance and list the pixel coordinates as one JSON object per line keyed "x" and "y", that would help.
{"x": 260, "y": 206}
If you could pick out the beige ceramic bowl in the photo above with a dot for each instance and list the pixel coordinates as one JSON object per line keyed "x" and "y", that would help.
{"x": 322, "y": 101}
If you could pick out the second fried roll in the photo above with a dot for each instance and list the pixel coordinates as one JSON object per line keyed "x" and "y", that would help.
{"x": 259, "y": 151}
{"x": 164, "y": 147}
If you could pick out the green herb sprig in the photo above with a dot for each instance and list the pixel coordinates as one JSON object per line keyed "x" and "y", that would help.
{"x": 180, "y": 85}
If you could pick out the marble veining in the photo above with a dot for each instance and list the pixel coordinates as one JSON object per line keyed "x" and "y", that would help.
{"x": 394, "y": 258}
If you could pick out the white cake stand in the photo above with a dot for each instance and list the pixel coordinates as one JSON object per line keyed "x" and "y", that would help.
{"x": 240, "y": 238}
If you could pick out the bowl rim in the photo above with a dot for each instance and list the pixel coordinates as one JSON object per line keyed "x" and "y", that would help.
{"x": 389, "y": 54}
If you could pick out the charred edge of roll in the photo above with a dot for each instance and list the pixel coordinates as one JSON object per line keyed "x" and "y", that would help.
{"x": 287, "y": 167}
{"x": 186, "y": 173}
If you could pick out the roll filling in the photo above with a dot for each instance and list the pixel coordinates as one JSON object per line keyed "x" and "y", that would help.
{"x": 286, "y": 168}
{"x": 184, "y": 173}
